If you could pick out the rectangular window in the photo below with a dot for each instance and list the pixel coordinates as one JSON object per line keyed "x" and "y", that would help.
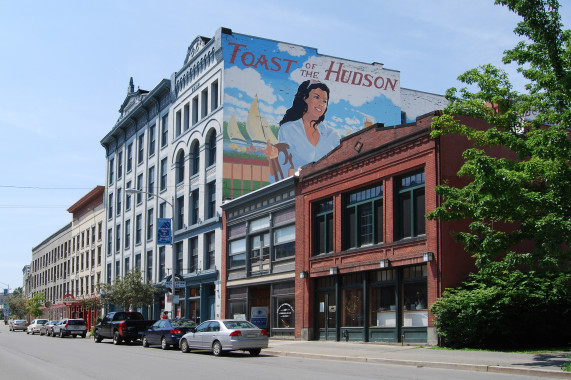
{"x": 127, "y": 265}
{"x": 363, "y": 217}
{"x": 193, "y": 254}
{"x": 180, "y": 213}
{"x": 127, "y": 234}
{"x": 117, "y": 238}
{"x": 141, "y": 155}
{"x": 140, "y": 188}
{"x": 186, "y": 115}
{"x": 178, "y": 258}
{"x": 162, "y": 210}
{"x": 410, "y": 206}
{"x": 210, "y": 250}
{"x": 110, "y": 204}
{"x": 111, "y": 170}
{"x": 117, "y": 269}
{"x": 138, "y": 228}
{"x": 150, "y": 224}
{"x": 119, "y": 165}
{"x": 211, "y": 200}
{"x": 204, "y": 103}
{"x": 99, "y": 230}
{"x": 151, "y": 182}
{"x": 99, "y": 255}
{"x": 164, "y": 169}
{"x": 152, "y": 140}
{"x": 129, "y": 157}
{"x": 137, "y": 263}
{"x": 161, "y": 263}
{"x": 194, "y": 200}
{"x": 237, "y": 253}
{"x": 149, "y": 276}
{"x": 109, "y": 273}
{"x": 195, "y": 110}
{"x": 128, "y": 197}
{"x": 260, "y": 253}
{"x": 284, "y": 242}
{"x": 323, "y": 227}
{"x": 119, "y": 196}
{"x": 214, "y": 96}
{"x": 165, "y": 131}
{"x": 178, "y": 125}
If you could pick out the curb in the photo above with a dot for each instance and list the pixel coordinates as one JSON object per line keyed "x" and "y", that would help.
{"x": 416, "y": 363}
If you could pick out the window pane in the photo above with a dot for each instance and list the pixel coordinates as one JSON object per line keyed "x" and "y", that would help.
{"x": 259, "y": 224}
{"x": 238, "y": 246}
{"x": 284, "y": 234}
{"x": 419, "y": 223}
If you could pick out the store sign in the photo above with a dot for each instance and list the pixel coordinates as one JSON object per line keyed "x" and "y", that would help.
{"x": 285, "y": 315}
{"x": 259, "y": 317}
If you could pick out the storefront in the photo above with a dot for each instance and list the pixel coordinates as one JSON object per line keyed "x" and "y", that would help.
{"x": 373, "y": 306}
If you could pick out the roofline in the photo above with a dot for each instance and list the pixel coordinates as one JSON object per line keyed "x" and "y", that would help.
{"x": 93, "y": 194}
{"x": 281, "y": 184}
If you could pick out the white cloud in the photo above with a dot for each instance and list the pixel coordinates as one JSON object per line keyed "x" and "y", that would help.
{"x": 293, "y": 50}
{"x": 352, "y": 121}
{"x": 250, "y": 81}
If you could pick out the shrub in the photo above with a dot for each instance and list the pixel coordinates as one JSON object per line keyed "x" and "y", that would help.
{"x": 506, "y": 310}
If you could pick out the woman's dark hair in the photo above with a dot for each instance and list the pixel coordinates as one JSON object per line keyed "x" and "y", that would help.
{"x": 299, "y": 106}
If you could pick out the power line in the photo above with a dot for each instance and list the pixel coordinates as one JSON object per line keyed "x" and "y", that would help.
{"x": 44, "y": 188}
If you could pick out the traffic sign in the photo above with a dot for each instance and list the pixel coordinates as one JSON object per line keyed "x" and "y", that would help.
{"x": 179, "y": 284}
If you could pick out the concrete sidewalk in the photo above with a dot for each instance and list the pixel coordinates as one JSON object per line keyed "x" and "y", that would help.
{"x": 541, "y": 365}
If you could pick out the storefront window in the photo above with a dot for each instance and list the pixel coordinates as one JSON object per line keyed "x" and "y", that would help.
{"x": 415, "y": 296}
{"x": 383, "y": 299}
{"x": 352, "y": 301}
{"x": 285, "y": 313}
{"x": 194, "y": 304}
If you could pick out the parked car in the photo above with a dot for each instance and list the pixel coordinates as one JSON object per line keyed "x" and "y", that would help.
{"x": 47, "y": 328}
{"x": 121, "y": 326}
{"x": 224, "y": 335}
{"x": 19, "y": 324}
{"x": 70, "y": 327}
{"x": 35, "y": 325}
{"x": 167, "y": 332}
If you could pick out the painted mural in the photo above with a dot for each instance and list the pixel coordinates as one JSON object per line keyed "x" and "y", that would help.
{"x": 286, "y": 106}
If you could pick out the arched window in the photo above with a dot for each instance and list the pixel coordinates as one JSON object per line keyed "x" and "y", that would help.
{"x": 211, "y": 148}
{"x": 180, "y": 167}
{"x": 195, "y": 157}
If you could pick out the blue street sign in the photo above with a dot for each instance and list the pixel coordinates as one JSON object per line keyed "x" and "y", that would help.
{"x": 164, "y": 231}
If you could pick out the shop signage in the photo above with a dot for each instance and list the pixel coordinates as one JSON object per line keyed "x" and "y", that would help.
{"x": 259, "y": 317}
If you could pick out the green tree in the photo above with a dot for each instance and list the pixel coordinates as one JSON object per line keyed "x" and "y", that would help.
{"x": 524, "y": 196}
{"x": 34, "y": 305}
{"x": 17, "y": 304}
{"x": 129, "y": 292}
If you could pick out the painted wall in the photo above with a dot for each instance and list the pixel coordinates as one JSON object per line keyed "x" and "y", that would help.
{"x": 261, "y": 79}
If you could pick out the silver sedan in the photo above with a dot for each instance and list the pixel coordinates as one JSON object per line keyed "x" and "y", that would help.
{"x": 224, "y": 335}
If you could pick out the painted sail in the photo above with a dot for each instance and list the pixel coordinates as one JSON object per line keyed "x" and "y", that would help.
{"x": 233, "y": 130}
{"x": 257, "y": 127}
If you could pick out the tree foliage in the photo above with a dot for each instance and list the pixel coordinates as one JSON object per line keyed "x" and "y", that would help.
{"x": 17, "y": 304}
{"x": 513, "y": 309}
{"x": 524, "y": 196}
{"x": 34, "y": 305}
{"x": 129, "y": 292}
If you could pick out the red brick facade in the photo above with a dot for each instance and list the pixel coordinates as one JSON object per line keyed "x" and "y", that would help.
{"x": 372, "y": 156}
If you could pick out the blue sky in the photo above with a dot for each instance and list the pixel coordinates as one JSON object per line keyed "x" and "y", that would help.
{"x": 65, "y": 67}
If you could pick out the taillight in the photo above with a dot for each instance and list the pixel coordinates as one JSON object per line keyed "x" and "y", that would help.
{"x": 121, "y": 327}
{"x": 236, "y": 333}
{"x": 175, "y": 332}
{"x": 65, "y": 326}
{"x": 264, "y": 332}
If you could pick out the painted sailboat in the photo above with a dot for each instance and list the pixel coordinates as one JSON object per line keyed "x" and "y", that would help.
{"x": 257, "y": 126}
{"x": 233, "y": 130}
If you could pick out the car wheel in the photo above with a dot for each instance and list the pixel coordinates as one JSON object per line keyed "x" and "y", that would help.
{"x": 217, "y": 348}
{"x": 145, "y": 341}
{"x": 116, "y": 338}
{"x": 61, "y": 334}
{"x": 84, "y": 335}
{"x": 164, "y": 344}
{"x": 184, "y": 346}
{"x": 75, "y": 336}
{"x": 27, "y": 332}
{"x": 255, "y": 351}
{"x": 96, "y": 337}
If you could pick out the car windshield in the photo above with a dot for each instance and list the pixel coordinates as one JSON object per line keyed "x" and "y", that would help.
{"x": 76, "y": 322}
{"x": 239, "y": 325}
{"x": 182, "y": 323}
{"x": 133, "y": 317}
{"x": 42, "y": 321}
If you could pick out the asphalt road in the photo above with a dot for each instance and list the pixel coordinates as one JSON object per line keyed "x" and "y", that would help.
{"x": 40, "y": 357}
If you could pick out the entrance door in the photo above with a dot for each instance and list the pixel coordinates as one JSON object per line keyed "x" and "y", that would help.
{"x": 326, "y": 316}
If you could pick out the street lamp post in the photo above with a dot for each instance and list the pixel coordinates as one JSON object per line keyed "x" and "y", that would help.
{"x": 136, "y": 191}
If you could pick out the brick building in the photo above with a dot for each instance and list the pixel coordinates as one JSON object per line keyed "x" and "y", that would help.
{"x": 369, "y": 263}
